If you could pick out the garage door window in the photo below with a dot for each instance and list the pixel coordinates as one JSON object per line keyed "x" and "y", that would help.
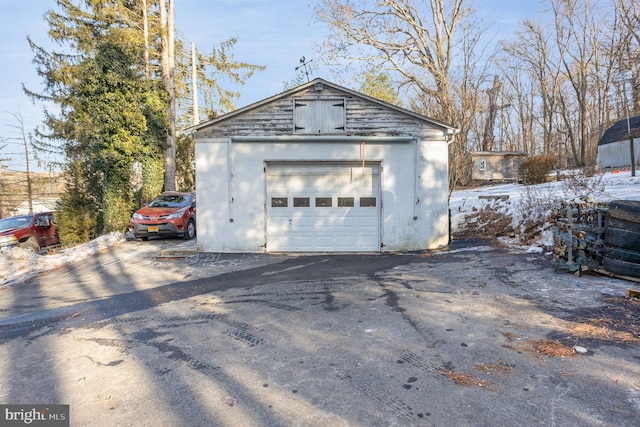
{"x": 323, "y": 202}
{"x": 301, "y": 202}
{"x": 346, "y": 202}
{"x": 279, "y": 202}
{"x": 367, "y": 202}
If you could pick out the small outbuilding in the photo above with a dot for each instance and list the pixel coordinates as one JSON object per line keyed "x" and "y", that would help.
{"x": 614, "y": 148}
{"x": 496, "y": 165}
{"x": 42, "y": 204}
{"x": 322, "y": 168}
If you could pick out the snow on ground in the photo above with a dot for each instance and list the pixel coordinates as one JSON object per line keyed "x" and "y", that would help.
{"x": 618, "y": 185}
{"x": 18, "y": 264}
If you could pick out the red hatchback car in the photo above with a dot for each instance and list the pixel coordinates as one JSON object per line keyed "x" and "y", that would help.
{"x": 170, "y": 214}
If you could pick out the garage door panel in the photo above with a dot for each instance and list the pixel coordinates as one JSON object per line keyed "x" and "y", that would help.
{"x": 324, "y": 209}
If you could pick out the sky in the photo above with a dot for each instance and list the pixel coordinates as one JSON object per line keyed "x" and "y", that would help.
{"x": 273, "y": 33}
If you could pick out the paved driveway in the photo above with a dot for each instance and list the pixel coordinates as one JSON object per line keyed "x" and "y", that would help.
{"x": 477, "y": 335}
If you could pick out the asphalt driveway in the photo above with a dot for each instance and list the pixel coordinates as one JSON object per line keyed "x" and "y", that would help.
{"x": 477, "y": 335}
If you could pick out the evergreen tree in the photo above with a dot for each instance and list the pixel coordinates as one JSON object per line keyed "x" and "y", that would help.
{"x": 379, "y": 85}
{"x": 112, "y": 110}
{"x": 109, "y": 114}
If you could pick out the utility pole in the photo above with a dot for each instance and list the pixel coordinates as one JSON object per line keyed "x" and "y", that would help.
{"x": 194, "y": 85}
{"x": 626, "y": 76}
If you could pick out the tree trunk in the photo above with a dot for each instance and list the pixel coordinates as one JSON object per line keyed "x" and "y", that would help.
{"x": 145, "y": 28}
{"x": 488, "y": 138}
{"x": 168, "y": 78}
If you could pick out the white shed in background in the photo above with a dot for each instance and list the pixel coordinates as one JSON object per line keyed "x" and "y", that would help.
{"x": 321, "y": 168}
{"x": 614, "y": 148}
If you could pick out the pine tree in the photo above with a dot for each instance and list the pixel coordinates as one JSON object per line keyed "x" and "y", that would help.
{"x": 109, "y": 115}
{"x": 114, "y": 115}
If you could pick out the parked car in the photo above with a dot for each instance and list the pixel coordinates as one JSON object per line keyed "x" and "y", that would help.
{"x": 36, "y": 232}
{"x": 170, "y": 214}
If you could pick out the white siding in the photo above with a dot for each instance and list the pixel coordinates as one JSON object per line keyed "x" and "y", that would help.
{"x": 618, "y": 154}
{"x": 231, "y": 185}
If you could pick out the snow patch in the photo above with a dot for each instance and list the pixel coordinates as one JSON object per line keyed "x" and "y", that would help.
{"x": 18, "y": 264}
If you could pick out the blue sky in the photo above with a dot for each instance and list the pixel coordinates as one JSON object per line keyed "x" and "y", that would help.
{"x": 274, "y": 33}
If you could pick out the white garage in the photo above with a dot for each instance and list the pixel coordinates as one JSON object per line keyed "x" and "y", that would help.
{"x": 321, "y": 168}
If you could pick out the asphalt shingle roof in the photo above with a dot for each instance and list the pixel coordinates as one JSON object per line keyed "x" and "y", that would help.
{"x": 619, "y": 131}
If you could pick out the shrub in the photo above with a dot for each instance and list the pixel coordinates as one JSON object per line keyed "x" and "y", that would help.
{"x": 534, "y": 170}
{"x": 491, "y": 219}
{"x": 582, "y": 183}
{"x": 532, "y": 210}
{"x": 75, "y": 218}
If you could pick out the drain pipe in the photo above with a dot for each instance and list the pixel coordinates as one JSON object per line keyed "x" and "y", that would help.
{"x": 230, "y": 179}
{"x": 416, "y": 182}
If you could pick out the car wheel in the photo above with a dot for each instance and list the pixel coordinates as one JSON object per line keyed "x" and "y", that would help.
{"x": 31, "y": 245}
{"x": 190, "y": 232}
{"x": 628, "y": 210}
{"x": 621, "y": 267}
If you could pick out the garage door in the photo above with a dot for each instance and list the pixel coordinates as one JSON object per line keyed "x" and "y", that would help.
{"x": 323, "y": 207}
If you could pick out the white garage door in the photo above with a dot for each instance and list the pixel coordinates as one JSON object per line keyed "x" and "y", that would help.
{"x": 323, "y": 207}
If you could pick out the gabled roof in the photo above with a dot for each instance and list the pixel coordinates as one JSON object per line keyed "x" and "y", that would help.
{"x": 311, "y": 84}
{"x": 620, "y": 131}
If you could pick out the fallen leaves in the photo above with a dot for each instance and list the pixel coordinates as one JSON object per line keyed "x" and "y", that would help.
{"x": 586, "y": 331}
{"x": 546, "y": 348}
{"x": 467, "y": 380}
{"x": 496, "y": 370}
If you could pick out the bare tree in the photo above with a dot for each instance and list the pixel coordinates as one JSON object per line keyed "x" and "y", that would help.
{"x": 570, "y": 67}
{"x": 627, "y": 53}
{"x": 535, "y": 55}
{"x": 23, "y": 135}
{"x": 577, "y": 40}
{"x": 420, "y": 42}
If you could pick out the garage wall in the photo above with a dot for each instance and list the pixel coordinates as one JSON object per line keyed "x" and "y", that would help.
{"x": 234, "y": 171}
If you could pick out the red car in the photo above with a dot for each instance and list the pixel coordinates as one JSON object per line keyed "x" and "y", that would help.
{"x": 170, "y": 214}
{"x": 35, "y": 231}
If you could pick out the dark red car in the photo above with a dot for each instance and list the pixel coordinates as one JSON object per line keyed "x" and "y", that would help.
{"x": 34, "y": 231}
{"x": 170, "y": 214}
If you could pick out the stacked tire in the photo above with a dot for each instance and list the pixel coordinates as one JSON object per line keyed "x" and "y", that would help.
{"x": 621, "y": 254}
